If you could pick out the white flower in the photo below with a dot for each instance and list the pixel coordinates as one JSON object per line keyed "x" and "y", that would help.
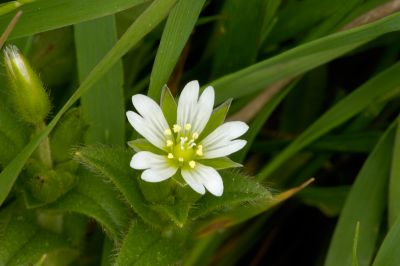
{"x": 182, "y": 145}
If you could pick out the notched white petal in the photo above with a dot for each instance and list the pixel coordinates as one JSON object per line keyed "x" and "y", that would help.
{"x": 158, "y": 174}
{"x": 158, "y": 168}
{"x": 204, "y": 109}
{"x": 209, "y": 178}
{"x": 187, "y": 102}
{"x": 146, "y": 129}
{"x": 196, "y": 185}
{"x": 224, "y": 149}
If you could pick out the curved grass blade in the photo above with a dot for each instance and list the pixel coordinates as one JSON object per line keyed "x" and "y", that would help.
{"x": 300, "y": 59}
{"x": 180, "y": 24}
{"x": 365, "y": 204}
{"x": 361, "y": 98}
{"x": 45, "y": 15}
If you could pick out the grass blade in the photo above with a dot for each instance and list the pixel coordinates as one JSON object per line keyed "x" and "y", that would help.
{"x": 103, "y": 107}
{"x": 45, "y": 15}
{"x": 354, "y": 103}
{"x": 180, "y": 24}
{"x": 365, "y": 204}
{"x": 300, "y": 59}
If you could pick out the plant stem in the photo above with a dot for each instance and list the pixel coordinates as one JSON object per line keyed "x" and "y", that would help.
{"x": 44, "y": 147}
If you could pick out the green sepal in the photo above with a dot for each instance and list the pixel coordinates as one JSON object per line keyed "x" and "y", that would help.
{"x": 168, "y": 106}
{"x": 217, "y": 118}
{"x": 220, "y": 163}
{"x": 67, "y": 135}
{"x": 144, "y": 145}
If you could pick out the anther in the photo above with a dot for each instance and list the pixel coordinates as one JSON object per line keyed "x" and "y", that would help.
{"x": 180, "y": 159}
{"x": 170, "y": 143}
{"x": 170, "y": 156}
{"x": 177, "y": 128}
{"x": 188, "y": 126}
{"x": 195, "y": 135}
{"x": 199, "y": 150}
{"x": 192, "y": 164}
{"x": 168, "y": 132}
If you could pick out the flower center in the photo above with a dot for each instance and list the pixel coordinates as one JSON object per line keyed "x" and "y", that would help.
{"x": 181, "y": 145}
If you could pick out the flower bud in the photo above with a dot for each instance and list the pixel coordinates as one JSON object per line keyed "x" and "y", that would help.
{"x": 28, "y": 95}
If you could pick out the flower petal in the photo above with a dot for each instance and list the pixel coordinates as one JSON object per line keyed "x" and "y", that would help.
{"x": 224, "y": 149}
{"x": 204, "y": 110}
{"x": 146, "y": 129}
{"x": 158, "y": 175}
{"x": 150, "y": 111}
{"x": 226, "y": 132}
{"x": 195, "y": 184}
{"x": 207, "y": 176}
{"x": 187, "y": 102}
{"x": 158, "y": 168}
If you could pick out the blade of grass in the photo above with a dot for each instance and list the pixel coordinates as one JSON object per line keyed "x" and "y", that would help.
{"x": 150, "y": 18}
{"x": 45, "y": 15}
{"x": 394, "y": 181}
{"x": 389, "y": 252}
{"x": 180, "y": 24}
{"x": 355, "y": 245}
{"x": 11, "y": 25}
{"x": 365, "y": 204}
{"x": 103, "y": 107}
{"x": 361, "y": 98}
{"x": 300, "y": 59}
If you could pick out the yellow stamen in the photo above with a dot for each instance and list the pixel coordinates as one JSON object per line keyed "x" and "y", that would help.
{"x": 170, "y": 143}
{"x": 168, "y": 132}
{"x": 180, "y": 159}
{"x": 188, "y": 126}
{"x": 176, "y": 128}
{"x": 199, "y": 150}
{"x": 170, "y": 156}
{"x": 192, "y": 164}
{"x": 195, "y": 135}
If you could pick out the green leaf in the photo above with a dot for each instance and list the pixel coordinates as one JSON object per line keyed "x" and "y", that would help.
{"x": 113, "y": 164}
{"x": 144, "y": 246}
{"x": 389, "y": 251}
{"x": 94, "y": 198}
{"x": 149, "y": 19}
{"x": 102, "y": 108}
{"x": 179, "y": 26}
{"x": 220, "y": 163}
{"x": 22, "y": 240}
{"x": 168, "y": 106}
{"x": 300, "y": 59}
{"x": 365, "y": 204}
{"x": 238, "y": 189}
{"x": 394, "y": 181}
{"x": 355, "y": 245}
{"x": 354, "y": 103}
{"x": 242, "y": 212}
{"x": 241, "y": 22}
{"x": 45, "y": 15}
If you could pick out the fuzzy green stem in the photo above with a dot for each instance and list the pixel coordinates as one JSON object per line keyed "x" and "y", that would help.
{"x": 44, "y": 147}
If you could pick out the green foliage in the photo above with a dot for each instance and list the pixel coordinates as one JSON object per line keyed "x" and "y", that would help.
{"x": 317, "y": 82}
